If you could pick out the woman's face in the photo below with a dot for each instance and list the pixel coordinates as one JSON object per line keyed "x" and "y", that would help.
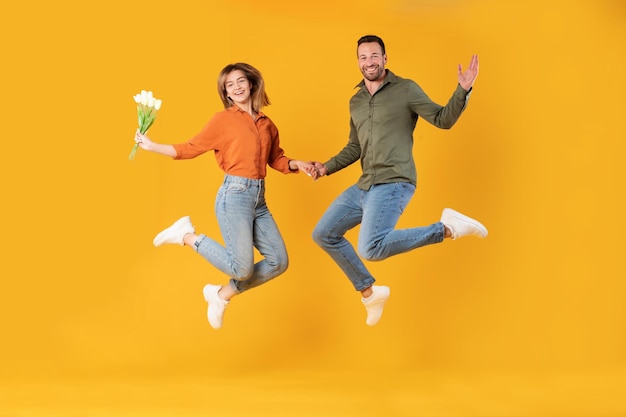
{"x": 238, "y": 87}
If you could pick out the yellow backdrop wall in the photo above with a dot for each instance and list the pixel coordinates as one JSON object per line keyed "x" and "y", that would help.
{"x": 537, "y": 157}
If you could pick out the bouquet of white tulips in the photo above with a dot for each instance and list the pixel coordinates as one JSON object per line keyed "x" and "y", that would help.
{"x": 147, "y": 107}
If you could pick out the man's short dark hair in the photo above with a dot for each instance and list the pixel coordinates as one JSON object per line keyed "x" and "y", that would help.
{"x": 371, "y": 38}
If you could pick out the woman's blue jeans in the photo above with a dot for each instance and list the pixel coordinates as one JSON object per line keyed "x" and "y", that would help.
{"x": 378, "y": 211}
{"x": 246, "y": 223}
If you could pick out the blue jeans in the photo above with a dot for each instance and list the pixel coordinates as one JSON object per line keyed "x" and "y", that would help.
{"x": 246, "y": 223}
{"x": 378, "y": 211}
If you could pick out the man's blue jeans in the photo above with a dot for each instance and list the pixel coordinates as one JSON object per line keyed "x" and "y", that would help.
{"x": 246, "y": 223}
{"x": 378, "y": 211}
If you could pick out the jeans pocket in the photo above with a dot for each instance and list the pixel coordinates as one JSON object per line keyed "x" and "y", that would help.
{"x": 408, "y": 186}
{"x": 235, "y": 188}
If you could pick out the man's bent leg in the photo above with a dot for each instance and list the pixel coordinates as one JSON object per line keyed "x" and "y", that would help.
{"x": 382, "y": 207}
{"x": 342, "y": 215}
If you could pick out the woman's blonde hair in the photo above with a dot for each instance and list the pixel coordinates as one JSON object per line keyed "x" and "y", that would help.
{"x": 258, "y": 97}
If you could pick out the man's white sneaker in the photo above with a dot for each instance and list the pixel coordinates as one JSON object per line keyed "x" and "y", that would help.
{"x": 175, "y": 233}
{"x": 375, "y": 303}
{"x": 217, "y": 305}
{"x": 460, "y": 225}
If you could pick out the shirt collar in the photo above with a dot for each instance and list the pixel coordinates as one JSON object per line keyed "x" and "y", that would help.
{"x": 234, "y": 109}
{"x": 390, "y": 77}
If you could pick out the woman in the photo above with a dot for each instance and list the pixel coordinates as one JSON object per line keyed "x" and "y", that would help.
{"x": 245, "y": 141}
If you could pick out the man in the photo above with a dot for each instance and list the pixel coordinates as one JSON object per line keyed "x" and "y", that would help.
{"x": 383, "y": 115}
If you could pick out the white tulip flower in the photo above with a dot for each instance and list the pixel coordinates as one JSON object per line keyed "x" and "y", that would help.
{"x": 147, "y": 107}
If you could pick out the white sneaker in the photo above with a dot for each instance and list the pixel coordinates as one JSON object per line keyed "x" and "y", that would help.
{"x": 460, "y": 225}
{"x": 217, "y": 305}
{"x": 374, "y": 304}
{"x": 175, "y": 233}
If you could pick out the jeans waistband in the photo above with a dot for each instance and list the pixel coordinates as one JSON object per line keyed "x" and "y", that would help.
{"x": 233, "y": 179}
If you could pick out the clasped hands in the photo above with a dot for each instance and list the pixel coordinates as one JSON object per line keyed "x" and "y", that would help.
{"x": 313, "y": 169}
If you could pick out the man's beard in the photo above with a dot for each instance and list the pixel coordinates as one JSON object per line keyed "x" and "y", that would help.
{"x": 373, "y": 76}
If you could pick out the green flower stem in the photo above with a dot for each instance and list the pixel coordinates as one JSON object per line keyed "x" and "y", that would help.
{"x": 145, "y": 120}
{"x": 133, "y": 152}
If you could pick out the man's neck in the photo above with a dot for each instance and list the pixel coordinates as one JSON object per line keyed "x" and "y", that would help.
{"x": 373, "y": 86}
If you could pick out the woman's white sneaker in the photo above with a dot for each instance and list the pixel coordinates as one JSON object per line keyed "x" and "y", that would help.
{"x": 175, "y": 233}
{"x": 217, "y": 305}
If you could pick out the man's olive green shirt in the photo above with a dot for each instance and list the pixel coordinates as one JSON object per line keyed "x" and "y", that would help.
{"x": 382, "y": 125}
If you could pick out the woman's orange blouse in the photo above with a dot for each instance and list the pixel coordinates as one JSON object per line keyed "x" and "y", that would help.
{"x": 243, "y": 147}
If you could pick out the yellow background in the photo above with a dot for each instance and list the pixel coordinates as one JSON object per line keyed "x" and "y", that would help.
{"x": 95, "y": 321}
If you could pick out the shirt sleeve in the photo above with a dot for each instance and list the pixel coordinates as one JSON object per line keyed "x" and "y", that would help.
{"x": 206, "y": 140}
{"x": 348, "y": 155}
{"x": 443, "y": 117}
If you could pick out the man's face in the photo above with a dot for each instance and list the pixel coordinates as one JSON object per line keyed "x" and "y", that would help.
{"x": 372, "y": 61}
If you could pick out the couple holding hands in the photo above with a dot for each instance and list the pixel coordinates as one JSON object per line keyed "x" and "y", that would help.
{"x": 383, "y": 114}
